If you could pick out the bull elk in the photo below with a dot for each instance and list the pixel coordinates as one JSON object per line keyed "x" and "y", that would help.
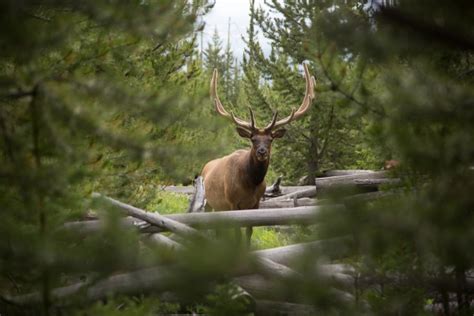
{"x": 237, "y": 181}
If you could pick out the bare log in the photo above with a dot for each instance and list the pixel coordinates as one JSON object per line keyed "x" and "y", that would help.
{"x": 85, "y": 228}
{"x": 198, "y": 200}
{"x": 245, "y": 218}
{"x": 305, "y": 215}
{"x": 142, "y": 281}
{"x": 363, "y": 181}
{"x": 267, "y": 307}
{"x": 154, "y": 280}
{"x": 270, "y": 289}
{"x": 270, "y": 268}
{"x": 275, "y": 203}
{"x": 333, "y": 173}
{"x": 165, "y": 242}
{"x": 307, "y": 192}
{"x": 293, "y": 188}
{"x": 152, "y": 218}
{"x": 288, "y": 255}
{"x": 350, "y": 179}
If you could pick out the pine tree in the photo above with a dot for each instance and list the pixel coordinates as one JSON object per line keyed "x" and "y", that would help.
{"x": 89, "y": 98}
{"x": 407, "y": 69}
{"x": 322, "y": 140}
{"x": 213, "y": 55}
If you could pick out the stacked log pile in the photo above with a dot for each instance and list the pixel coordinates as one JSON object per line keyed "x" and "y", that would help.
{"x": 284, "y": 206}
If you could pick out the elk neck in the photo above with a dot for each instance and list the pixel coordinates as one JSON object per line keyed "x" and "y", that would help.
{"x": 256, "y": 170}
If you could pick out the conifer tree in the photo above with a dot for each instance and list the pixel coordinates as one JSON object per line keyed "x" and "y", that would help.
{"x": 90, "y": 96}
{"x": 214, "y": 57}
{"x": 326, "y": 138}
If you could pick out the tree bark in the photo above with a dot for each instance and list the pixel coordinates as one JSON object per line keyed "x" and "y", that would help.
{"x": 304, "y": 215}
{"x": 153, "y": 218}
{"x": 163, "y": 278}
{"x": 273, "y": 203}
{"x": 333, "y": 173}
{"x": 198, "y": 200}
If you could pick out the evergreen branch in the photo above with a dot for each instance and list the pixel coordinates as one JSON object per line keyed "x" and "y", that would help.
{"x": 18, "y": 94}
{"x": 6, "y": 137}
{"x": 349, "y": 95}
{"x": 455, "y": 39}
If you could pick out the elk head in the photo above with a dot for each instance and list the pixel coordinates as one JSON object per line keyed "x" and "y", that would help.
{"x": 262, "y": 137}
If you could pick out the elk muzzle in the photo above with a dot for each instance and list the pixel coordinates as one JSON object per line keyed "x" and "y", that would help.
{"x": 262, "y": 154}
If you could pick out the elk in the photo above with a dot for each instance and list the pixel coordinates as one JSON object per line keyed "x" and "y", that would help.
{"x": 391, "y": 164}
{"x": 237, "y": 181}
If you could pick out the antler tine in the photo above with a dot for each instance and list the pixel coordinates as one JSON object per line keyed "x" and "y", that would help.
{"x": 215, "y": 97}
{"x": 220, "y": 108}
{"x": 252, "y": 118}
{"x": 272, "y": 123}
{"x": 307, "y": 100}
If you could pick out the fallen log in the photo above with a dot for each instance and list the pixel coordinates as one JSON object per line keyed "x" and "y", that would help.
{"x": 274, "y": 203}
{"x": 267, "y": 307}
{"x": 198, "y": 200}
{"x": 246, "y": 218}
{"x": 365, "y": 182}
{"x": 291, "y": 254}
{"x": 152, "y": 218}
{"x": 304, "y": 215}
{"x": 293, "y": 188}
{"x": 270, "y": 289}
{"x": 307, "y": 192}
{"x": 350, "y": 179}
{"x": 165, "y": 242}
{"x": 155, "y": 280}
{"x": 348, "y": 172}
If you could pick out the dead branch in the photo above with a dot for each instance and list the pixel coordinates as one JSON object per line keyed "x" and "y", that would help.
{"x": 333, "y": 173}
{"x": 274, "y": 189}
{"x": 198, "y": 200}
{"x": 304, "y": 215}
{"x": 152, "y": 218}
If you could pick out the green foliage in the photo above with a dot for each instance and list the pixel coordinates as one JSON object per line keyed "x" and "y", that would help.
{"x": 130, "y": 307}
{"x": 90, "y": 97}
{"x": 227, "y": 299}
{"x": 263, "y": 238}
{"x": 112, "y": 97}
{"x": 331, "y": 135}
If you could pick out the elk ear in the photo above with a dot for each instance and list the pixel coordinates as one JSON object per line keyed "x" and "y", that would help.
{"x": 279, "y": 133}
{"x": 243, "y": 132}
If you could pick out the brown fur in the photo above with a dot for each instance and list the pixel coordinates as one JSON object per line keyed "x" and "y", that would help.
{"x": 230, "y": 186}
{"x": 391, "y": 164}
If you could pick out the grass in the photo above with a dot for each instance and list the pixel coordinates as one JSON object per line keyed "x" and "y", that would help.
{"x": 268, "y": 237}
{"x": 168, "y": 203}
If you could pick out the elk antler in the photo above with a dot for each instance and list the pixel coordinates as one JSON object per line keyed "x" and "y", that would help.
{"x": 296, "y": 114}
{"x": 220, "y": 108}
